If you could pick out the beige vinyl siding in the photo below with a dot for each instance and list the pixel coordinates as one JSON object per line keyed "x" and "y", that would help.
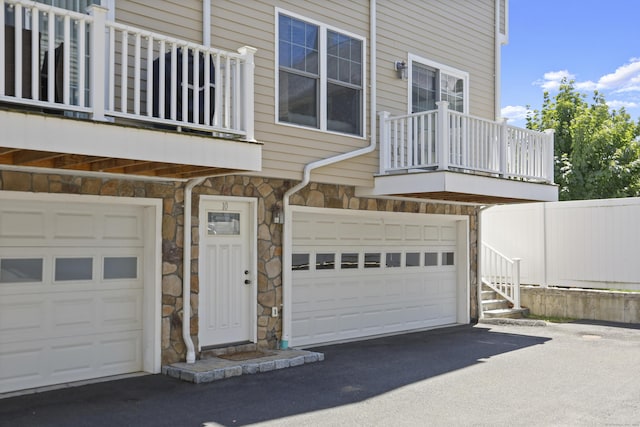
{"x": 456, "y": 33}
{"x": 288, "y": 148}
{"x": 180, "y": 18}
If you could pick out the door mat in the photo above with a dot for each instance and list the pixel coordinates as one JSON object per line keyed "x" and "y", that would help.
{"x": 246, "y": 355}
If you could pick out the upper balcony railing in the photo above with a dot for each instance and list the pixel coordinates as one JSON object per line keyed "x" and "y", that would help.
{"x": 56, "y": 59}
{"x": 443, "y": 140}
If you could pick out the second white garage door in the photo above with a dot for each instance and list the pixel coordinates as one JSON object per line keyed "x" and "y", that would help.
{"x": 358, "y": 274}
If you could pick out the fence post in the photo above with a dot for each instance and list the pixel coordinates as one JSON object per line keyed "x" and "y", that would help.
{"x": 98, "y": 62}
{"x": 503, "y": 148}
{"x": 385, "y": 143}
{"x": 248, "y": 53}
{"x": 442, "y": 135}
{"x": 550, "y": 133}
{"x": 516, "y": 283}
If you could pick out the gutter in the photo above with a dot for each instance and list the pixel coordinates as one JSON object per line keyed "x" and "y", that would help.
{"x": 287, "y": 231}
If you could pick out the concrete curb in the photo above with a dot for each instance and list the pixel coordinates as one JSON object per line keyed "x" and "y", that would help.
{"x": 515, "y": 322}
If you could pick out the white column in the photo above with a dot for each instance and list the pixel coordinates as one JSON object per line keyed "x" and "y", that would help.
{"x": 248, "y": 91}
{"x": 442, "y": 135}
{"x": 503, "y": 148}
{"x": 98, "y": 56}
{"x": 550, "y": 155}
{"x": 384, "y": 141}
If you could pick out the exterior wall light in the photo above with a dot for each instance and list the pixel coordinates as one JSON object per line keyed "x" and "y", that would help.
{"x": 402, "y": 69}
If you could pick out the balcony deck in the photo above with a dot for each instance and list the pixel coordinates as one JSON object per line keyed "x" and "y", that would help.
{"x": 446, "y": 155}
{"x": 82, "y": 93}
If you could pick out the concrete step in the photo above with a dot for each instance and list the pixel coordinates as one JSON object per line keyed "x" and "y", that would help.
{"x": 494, "y": 304}
{"x": 489, "y": 295}
{"x": 507, "y": 313}
{"x": 209, "y": 352}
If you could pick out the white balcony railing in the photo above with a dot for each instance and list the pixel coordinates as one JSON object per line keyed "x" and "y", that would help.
{"x": 57, "y": 59}
{"x": 447, "y": 140}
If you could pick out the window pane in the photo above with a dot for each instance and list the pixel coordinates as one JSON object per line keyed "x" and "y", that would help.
{"x": 120, "y": 268}
{"x": 74, "y": 269}
{"x": 223, "y": 224}
{"x": 325, "y": 261}
{"x": 430, "y": 259}
{"x": 21, "y": 270}
{"x": 452, "y": 91}
{"x": 447, "y": 258}
{"x": 371, "y": 260}
{"x": 298, "y": 45}
{"x": 299, "y": 262}
{"x": 423, "y": 88}
{"x": 343, "y": 109}
{"x": 393, "y": 259}
{"x": 348, "y": 53}
{"x": 298, "y": 99}
{"x": 412, "y": 259}
{"x": 349, "y": 260}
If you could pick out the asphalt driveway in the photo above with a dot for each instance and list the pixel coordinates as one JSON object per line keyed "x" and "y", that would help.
{"x": 567, "y": 374}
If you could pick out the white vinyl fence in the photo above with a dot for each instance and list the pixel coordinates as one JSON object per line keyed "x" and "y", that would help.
{"x": 587, "y": 244}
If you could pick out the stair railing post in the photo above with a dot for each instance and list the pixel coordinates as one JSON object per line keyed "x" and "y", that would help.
{"x": 516, "y": 283}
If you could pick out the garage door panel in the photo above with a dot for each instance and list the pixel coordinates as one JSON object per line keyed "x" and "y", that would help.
{"x": 405, "y": 284}
{"x": 83, "y": 316}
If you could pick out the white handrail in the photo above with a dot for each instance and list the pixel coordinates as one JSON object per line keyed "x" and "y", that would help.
{"x": 501, "y": 274}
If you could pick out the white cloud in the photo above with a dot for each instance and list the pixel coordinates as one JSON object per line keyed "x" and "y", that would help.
{"x": 552, "y": 79}
{"x": 514, "y": 112}
{"x": 626, "y": 78}
{"x": 616, "y": 105}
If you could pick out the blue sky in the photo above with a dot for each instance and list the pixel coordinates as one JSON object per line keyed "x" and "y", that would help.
{"x": 594, "y": 42}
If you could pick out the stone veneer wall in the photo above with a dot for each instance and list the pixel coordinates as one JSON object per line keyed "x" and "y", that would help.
{"x": 269, "y": 193}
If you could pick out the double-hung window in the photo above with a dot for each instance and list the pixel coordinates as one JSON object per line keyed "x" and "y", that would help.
{"x": 320, "y": 76}
{"x": 432, "y": 82}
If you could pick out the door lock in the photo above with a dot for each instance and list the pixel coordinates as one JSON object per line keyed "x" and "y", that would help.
{"x": 247, "y": 282}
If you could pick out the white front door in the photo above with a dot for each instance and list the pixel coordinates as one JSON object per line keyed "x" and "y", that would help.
{"x": 227, "y": 269}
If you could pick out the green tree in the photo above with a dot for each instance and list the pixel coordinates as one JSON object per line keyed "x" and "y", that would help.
{"x": 597, "y": 150}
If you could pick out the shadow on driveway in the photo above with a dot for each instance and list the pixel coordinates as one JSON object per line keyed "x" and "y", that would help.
{"x": 351, "y": 373}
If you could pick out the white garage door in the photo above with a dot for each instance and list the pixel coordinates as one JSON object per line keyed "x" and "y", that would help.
{"x": 71, "y": 291}
{"x": 371, "y": 273}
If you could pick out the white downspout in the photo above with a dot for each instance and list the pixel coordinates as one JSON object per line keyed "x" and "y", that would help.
{"x": 186, "y": 271}
{"x": 186, "y": 250}
{"x": 501, "y": 39}
{"x": 287, "y": 232}
{"x": 206, "y": 23}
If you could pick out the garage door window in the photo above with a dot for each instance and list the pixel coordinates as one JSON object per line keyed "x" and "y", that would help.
{"x": 325, "y": 261}
{"x": 73, "y": 269}
{"x": 21, "y": 270}
{"x": 372, "y": 260}
{"x": 394, "y": 259}
{"x": 120, "y": 268}
{"x": 412, "y": 259}
{"x": 349, "y": 260}
{"x": 299, "y": 262}
{"x": 447, "y": 258}
{"x": 430, "y": 259}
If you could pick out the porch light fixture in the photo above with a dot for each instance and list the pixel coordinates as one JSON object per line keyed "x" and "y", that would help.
{"x": 277, "y": 214}
{"x": 402, "y": 69}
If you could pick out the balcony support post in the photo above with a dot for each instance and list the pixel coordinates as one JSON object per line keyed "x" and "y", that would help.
{"x": 248, "y": 101}
{"x": 442, "y": 135}
{"x": 502, "y": 144}
{"x": 549, "y": 146}
{"x": 98, "y": 57}
{"x": 385, "y": 137}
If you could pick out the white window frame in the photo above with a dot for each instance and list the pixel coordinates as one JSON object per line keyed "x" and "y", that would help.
{"x": 322, "y": 55}
{"x": 440, "y": 68}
